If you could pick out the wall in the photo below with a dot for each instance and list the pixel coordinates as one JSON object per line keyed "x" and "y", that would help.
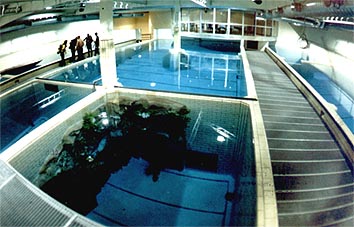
{"x": 41, "y": 42}
{"x": 43, "y": 141}
{"x": 161, "y": 19}
{"x": 35, "y": 43}
{"x": 161, "y": 24}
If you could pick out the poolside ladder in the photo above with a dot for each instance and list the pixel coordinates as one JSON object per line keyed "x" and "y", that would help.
{"x": 49, "y": 100}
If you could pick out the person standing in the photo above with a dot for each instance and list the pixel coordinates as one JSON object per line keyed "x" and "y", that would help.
{"x": 80, "y": 48}
{"x": 89, "y": 41}
{"x": 72, "y": 47}
{"x": 97, "y": 45}
{"x": 61, "y": 52}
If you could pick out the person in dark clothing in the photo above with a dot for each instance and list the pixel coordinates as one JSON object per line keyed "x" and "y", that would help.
{"x": 62, "y": 51}
{"x": 89, "y": 41}
{"x": 72, "y": 47}
{"x": 97, "y": 45}
{"x": 80, "y": 48}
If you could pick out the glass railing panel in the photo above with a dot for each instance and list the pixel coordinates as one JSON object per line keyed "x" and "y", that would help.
{"x": 221, "y": 28}
{"x": 236, "y": 30}
{"x": 249, "y": 30}
{"x": 208, "y": 28}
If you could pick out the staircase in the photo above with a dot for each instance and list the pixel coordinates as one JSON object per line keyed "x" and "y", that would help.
{"x": 314, "y": 184}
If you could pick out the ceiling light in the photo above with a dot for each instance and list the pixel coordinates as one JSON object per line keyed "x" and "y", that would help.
{"x": 82, "y": 7}
{"x": 258, "y": 2}
{"x": 200, "y": 2}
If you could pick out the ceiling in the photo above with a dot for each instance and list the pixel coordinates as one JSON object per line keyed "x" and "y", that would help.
{"x": 305, "y": 12}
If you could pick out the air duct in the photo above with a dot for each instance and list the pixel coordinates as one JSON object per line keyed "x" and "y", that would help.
{"x": 5, "y": 9}
{"x": 308, "y": 22}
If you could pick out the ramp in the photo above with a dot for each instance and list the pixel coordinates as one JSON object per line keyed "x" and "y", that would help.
{"x": 314, "y": 184}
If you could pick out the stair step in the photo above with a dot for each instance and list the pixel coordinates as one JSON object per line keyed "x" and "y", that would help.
{"x": 293, "y": 119}
{"x": 318, "y": 217}
{"x": 299, "y": 134}
{"x": 300, "y": 167}
{"x": 298, "y": 206}
{"x": 292, "y": 126}
{"x": 284, "y": 102}
{"x": 305, "y": 154}
{"x": 314, "y": 186}
{"x": 301, "y": 143}
{"x": 302, "y": 194}
{"x": 312, "y": 181}
{"x": 289, "y": 113}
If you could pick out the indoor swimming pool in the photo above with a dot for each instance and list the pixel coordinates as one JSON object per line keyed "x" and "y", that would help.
{"x": 329, "y": 91}
{"x": 154, "y": 66}
{"x": 215, "y": 186}
{"x": 322, "y": 83}
{"x": 26, "y": 108}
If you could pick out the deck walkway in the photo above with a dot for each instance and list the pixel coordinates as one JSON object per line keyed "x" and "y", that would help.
{"x": 314, "y": 185}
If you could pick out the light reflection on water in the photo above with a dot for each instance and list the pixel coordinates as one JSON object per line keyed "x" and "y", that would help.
{"x": 155, "y": 66}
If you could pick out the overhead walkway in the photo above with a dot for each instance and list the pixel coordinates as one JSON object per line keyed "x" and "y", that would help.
{"x": 313, "y": 181}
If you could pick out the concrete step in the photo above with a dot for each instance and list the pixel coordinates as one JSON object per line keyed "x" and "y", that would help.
{"x": 284, "y": 107}
{"x": 318, "y": 217}
{"x": 308, "y": 167}
{"x": 284, "y": 102}
{"x": 315, "y": 193}
{"x": 314, "y": 186}
{"x": 265, "y": 93}
{"x": 306, "y": 154}
{"x": 293, "y": 119}
{"x": 301, "y": 144}
{"x": 343, "y": 222}
{"x": 312, "y": 181}
{"x": 298, "y": 206}
{"x": 288, "y": 113}
{"x": 298, "y": 134}
{"x": 292, "y": 126}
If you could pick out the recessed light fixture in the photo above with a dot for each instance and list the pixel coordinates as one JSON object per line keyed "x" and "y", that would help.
{"x": 258, "y": 2}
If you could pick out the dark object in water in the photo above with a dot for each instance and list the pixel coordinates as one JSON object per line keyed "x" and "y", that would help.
{"x": 18, "y": 69}
{"x": 77, "y": 188}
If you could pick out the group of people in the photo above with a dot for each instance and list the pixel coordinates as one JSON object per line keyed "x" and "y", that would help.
{"x": 76, "y": 45}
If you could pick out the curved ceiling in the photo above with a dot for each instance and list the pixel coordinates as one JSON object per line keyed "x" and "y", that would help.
{"x": 15, "y": 12}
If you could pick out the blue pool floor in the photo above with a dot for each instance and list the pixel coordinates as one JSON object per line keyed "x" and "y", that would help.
{"x": 154, "y": 67}
{"x": 131, "y": 198}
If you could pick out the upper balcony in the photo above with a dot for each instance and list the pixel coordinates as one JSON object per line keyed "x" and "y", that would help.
{"x": 227, "y": 24}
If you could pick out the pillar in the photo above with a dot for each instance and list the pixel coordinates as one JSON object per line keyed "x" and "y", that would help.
{"x": 107, "y": 49}
{"x": 176, "y": 28}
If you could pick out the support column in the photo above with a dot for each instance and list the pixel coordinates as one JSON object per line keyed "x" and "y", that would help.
{"x": 175, "y": 53}
{"x": 107, "y": 49}
{"x": 176, "y": 28}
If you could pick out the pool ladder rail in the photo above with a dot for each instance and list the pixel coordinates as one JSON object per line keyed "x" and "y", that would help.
{"x": 50, "y": 99}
